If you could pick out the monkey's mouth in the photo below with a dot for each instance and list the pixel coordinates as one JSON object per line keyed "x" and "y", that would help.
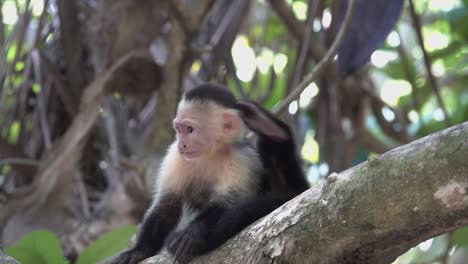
{"x": 189, "y": 154}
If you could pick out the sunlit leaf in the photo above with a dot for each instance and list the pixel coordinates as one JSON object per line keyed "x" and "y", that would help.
{"x": 457, "y": 18}
{"x": 38, "y": 247}
{"x": 36, "y": 88}
{"x": 6, "y": 169}
{"x": 460, "y": 237}
{"x": 11, "y": 52}
{"x": 19, "y": 66}
{"x": 13, "y": 135}
{"x": 310, "y": 150}
{"x": 108, "y": 245}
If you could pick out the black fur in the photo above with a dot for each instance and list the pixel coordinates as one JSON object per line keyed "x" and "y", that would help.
{"x": 212, "y": 92}
{"x": 156, "y": 226}
{"x": 279, "y": 156}
{"x": 282, "y": 179}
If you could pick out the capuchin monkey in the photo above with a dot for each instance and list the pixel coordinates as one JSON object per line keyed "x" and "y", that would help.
{"x": 212, "y": 183}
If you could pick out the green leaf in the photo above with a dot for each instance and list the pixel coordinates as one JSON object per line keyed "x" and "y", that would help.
{"x": 15, "y": 129}
{"x": 11, "y": 52}
{"x": 19, "y": 66}
{"x": 36, "y": 88}
{"x": 108, "y": 245}
{"x": 451, "y": 49}
{"x": 457, "y": 18}
{"x": 460, "y": 237}
{"x": 38, "y": 247}
{"x": 24, "y": 255}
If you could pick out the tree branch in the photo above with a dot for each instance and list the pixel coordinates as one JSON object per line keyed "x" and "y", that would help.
{"x": 322, "y": 64}
{"x": 297, "y": 27}
{"x": 371, "y": 213}
{"x": 427, "y": 62}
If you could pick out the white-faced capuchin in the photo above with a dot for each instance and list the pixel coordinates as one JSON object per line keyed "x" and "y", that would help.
{"x": 212, "y": 183}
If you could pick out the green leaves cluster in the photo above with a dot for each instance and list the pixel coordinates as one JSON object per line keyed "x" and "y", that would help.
{"x": 43, "y": 247}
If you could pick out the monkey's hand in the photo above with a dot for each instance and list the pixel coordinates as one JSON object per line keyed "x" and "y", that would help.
{"x": 186, "y": 244}
{"x": 132, "y": 256}
{"x": 262, "y": 122}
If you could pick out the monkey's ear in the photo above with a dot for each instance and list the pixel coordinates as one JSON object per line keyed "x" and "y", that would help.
{"x": 231, "y": 124}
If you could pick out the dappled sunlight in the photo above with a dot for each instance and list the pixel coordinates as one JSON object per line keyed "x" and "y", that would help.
{"x": 393, "y": 39}
{"x": 326, "y": 18}
{"x": 413, "y": 116}
{"x": 306, "y": 96}
{"x": 247, "y": 62}
{"x": 265, "y": 60}
{"x": 280, "y": 63}
{"x": 37, "y": 7}
{"x": 424, "y": 246}
{"x": 10, "y": 15}
{"x": 300, "y": 10}
{"x": 392, "y": 90}
{"x": 434, "y": 40}
{"x": 381, "y": 58}
{"x": 388, "y": 114}
{"x": 293, "y": 107}
{"x": 438, "y": 68}
{"x": 244, "y": 58}
{"x": 310, "y": 149}
{"x": 444, "y": 5}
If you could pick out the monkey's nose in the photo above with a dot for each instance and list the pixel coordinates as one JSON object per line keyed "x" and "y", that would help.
{"x": 185, "y": 146}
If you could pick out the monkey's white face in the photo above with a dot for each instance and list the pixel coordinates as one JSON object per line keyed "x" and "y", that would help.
{"x": 204, "y": 129}
{"x": 192, "y": 141}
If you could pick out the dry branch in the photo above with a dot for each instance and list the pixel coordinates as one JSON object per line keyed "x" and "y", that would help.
{"x": 371, "y": 213}
{"x": 297, "y": 27}
{"x": 427, "y": 62}
{"x": 322, "y": 64}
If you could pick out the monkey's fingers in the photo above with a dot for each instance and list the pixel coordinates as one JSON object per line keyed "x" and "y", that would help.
{"x": 134, "y": 260}
{"x": 173, "y": 242}
{"x": 131, "y": 257}
{"x": 260, "y": 121}
{"x": 122, "y": 259}
{"x": 183, "y": 254}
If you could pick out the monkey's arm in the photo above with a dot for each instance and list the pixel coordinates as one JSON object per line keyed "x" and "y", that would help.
{"x": 195, "y": 239}
{"x": 276, "y": 148}
{"x": 159, "y": 221}
{"x": 216, "y": 224}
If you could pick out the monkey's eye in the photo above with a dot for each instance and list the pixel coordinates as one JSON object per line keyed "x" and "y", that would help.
{"x": 190, "y": 129}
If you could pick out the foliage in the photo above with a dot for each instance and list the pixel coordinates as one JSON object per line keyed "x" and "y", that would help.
{"x": 38, "y": 247}
{"x": 42, "y": 247}
{"x": 108, "y": 245}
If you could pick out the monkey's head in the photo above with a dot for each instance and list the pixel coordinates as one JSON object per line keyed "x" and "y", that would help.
{"x": 206, "y": 122}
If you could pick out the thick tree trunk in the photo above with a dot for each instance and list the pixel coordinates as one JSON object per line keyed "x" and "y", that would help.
{"x": 371, "y": 213}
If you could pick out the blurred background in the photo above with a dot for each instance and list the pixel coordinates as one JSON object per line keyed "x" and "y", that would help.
{"x": 88, "y": 90}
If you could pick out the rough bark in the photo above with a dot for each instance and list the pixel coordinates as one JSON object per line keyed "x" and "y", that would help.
{"x": 4, "y": 259}
{"x": 371, "y": 213}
